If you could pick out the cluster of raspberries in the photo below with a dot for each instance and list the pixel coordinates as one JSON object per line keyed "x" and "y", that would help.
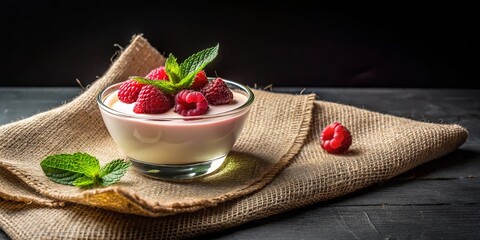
{"x": 188, "y": 102}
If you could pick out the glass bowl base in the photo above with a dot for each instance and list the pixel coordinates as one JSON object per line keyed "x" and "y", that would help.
{"x": 180, "y": 171}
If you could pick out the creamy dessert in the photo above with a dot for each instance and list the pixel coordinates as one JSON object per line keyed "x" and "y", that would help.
{"x": 167, "y": 138}
{"x": 175, "y": 123}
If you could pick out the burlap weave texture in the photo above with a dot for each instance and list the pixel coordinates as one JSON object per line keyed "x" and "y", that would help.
{"x": 282, "y": 130}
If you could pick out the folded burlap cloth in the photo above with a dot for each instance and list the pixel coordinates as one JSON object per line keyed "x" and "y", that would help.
{"x": 276, "y": 165}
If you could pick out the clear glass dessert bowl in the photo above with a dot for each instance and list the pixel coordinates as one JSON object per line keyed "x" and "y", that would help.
{"x": 171, "y": 146}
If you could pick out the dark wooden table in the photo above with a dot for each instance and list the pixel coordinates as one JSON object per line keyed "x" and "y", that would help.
{"x": 438, "y": 200}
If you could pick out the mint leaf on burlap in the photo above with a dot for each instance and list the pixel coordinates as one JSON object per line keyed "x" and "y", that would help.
{"x": 84, "y": 181}
{"x": 76, "y": 163}
{"x": 61, "y": 176}
{"x": 113, "y": 171}
{"x": 82, "y": 170}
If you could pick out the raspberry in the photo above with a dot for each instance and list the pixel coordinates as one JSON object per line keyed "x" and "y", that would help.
{"x": 129, "y": 90}
{"x": 217, "y": 92}
{"x": 335, "y": 138}
{"x": 158, "y": 74}
{"x": 200, "y": 81}
{"x": 190, "y": 103}
{"x": 152, "y": 100}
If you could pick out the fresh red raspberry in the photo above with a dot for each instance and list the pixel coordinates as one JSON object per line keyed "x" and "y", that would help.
{"x": 335, "y": 138}
{"x": 129, "y": 90}
{"x": 200, "y": 81}
{"x": 152, "y": 100}
{"x": 158, "y": 74}
{"x": 217, "y": 92}
{"x": 190, "y": 103}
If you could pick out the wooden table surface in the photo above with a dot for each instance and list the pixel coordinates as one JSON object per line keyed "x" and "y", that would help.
{"x": 437, "y": 200}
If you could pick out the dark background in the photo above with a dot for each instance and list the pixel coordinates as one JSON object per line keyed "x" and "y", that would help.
{"x": 52, "y": 43}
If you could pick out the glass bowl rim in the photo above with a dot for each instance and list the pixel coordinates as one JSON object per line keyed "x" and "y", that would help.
{"x": 157, "y": 117}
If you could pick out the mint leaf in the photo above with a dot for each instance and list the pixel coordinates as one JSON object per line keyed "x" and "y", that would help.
{"x": 181, "y": 76}
{"x": 81, "y": 163}
{"x": 82, "y": 170}
{"x": 61, "y": 176}
{"x": 195, "y": 63}
{"x": 84, "y": 181}
{"x": 172, "y": 69}
{"x": 166, "y": 86}
{"x": 113, "y": 171}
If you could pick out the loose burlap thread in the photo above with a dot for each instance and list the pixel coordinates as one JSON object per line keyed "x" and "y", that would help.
{"x": 254, "y": 182}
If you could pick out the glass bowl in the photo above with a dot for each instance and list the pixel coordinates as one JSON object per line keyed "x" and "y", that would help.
{"x": 170, "y": 146}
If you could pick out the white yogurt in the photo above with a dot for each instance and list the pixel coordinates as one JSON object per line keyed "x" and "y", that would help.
{"x": 159, "y": 141}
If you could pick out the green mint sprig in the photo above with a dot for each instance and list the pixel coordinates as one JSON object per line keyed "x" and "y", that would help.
{"x": 83, "y": 170}
{"x": 181, "y": 75}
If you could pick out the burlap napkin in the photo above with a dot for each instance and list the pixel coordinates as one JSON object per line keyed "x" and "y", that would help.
{"x": 282, "y": 129}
